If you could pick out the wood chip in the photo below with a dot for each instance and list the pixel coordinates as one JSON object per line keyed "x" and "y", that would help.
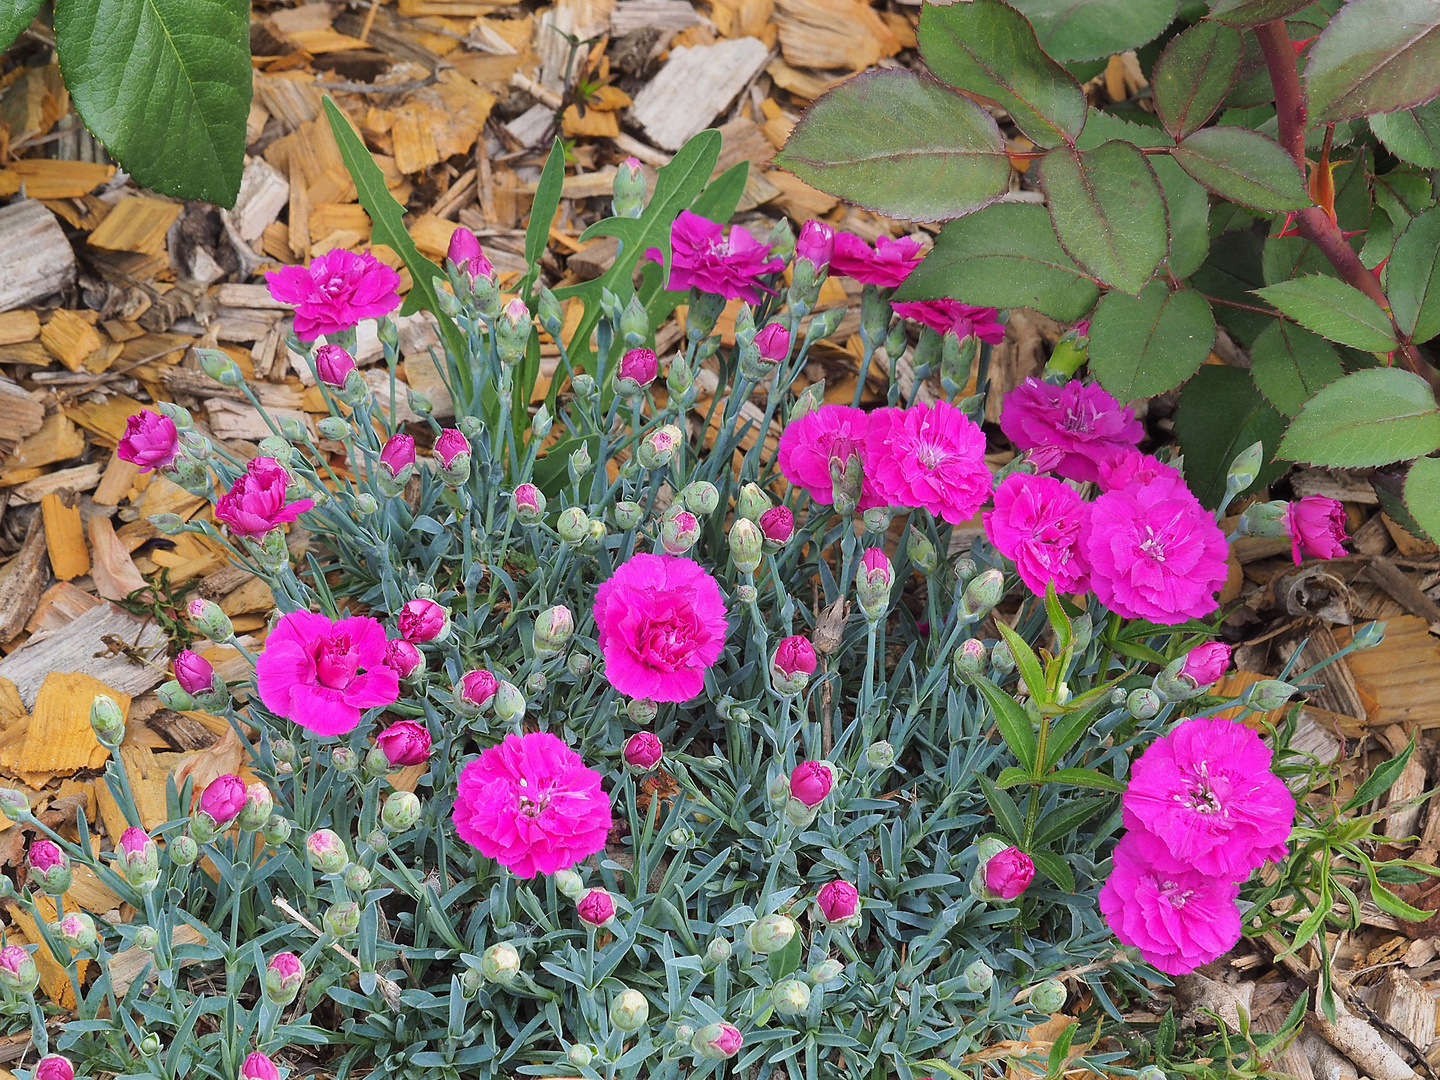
{"x": 1398, "y": 675}
{"x": 833, "y": 34}
{"x": 18, "y": 326}
{"x": 38, "y": 257}
{"x": 111, "y": 566}
{"x": 137, "y": 223}
{"x": 50, "y": 178}
{"x": 694, "y": 86}
{"x": 114, "y": 646}
{"x": 64, "y": 537}
{"x": 60, "y": 739}
{"x": 69, "y": 338}
{"x": 22, "y": 580}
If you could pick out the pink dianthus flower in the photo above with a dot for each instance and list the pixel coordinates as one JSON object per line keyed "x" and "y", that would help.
{"x": 335, "y": 291}
{"x": 661, "y": 622}
{"x": 321, "y": 674}
{"x": 531, "y": 804}
{"x": 1036, "y": 524}
{"x": 255, "y": 503}
{"x": 150, "y": 441}
{"x": 961, "y": 319}
{"x": 703, "y": 258}
{"x": 931, "y": 456}
{"x": 887, "y": 264}
{"x": 1080, "y": 421}
{"x": 1317, "y": 528}
{"x": 1154, "y": 552}
{"x": 832, "y": 431}
{"x": 1132, "y": 467}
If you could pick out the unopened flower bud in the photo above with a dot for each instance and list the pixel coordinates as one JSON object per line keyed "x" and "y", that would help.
{"x": 680, "y": 377}
{"x": 643, "y": 752}
{"x": 1243, "y": 471}
{"x": 397, "y": 460}
{"x": 342, "y": 919}
{"x": 1001, "y": 658}
{"x": 1369, "y": 635}
{"x": 147, "y": 938}
{"x": 14, "y": 805}
{"x": 500, "y": 963}
{"x": 1268, "y": 694}
{"x": 679, "y": 532}
{"x": 139, "y": 859}
{"x": 107, "y": 721}
{"x": 258, "y": 1066}
{"x": 53, "y": 1067}
{"x": 627, "y": 515}
{"x": 700, "y": 497}
{"x": 569, "y": 883}
{"x": 1008, "y": 873}
{"x": 183, "y": 850}
{"x": 553, "y": 629}
{"x": 770, "y": 933}
{"x": 873, "y": 580}
{"x": 978, "y": 977}
{"x": 969, "y": 659}
{"x": 18, "y": 972}
{"x": 716, "y": 1042}
{"x": 838, "y": 902}
{"x": 717, "y": 952}
{"x": 1143, "y": 703}
{"x": 752, "y": 502}
{"x": 277, "y": 830}
{"x": 777, "y": 525}
{"x": 746, "y": 545}
{"x": 49, "y": 866}
{"x": 579, "y": 463}
{"x": 223, "y": 799}
{"x": 366, "y": 504}
{"x": 344, "y": 760}
{"x": 982, "y": 594}
{"x": 922, "y": 551}
{"x": 580, "y": 1055}
{"x": 629, "y": 1010}
{"x": 220, "y": 367}
{"x": 529, "y": 504}
{"x": 326, "y": 851}
{"x": 509, "y": 702}
{"x": 578, "y": 664}
{"x": 584, "y": 386}
{"x": 400, "y": 811}
{"x": 77, "y": 930}
{"x": 792, "y": 663}
{"x": 876, "y": 519}
{"x": 574, "y": 525}
{"x": 596, "y": 907}
{"x": 657, "y": 448}
{"x": 1048, "y": 996}
{"x": 628, "y": 190}
{"x": 637, "y": 369}
{"x": 879, "y": 755}
{"x": 209, "y": 620}
{"x": 791, "y": 997}
{"x": 356, "y": 877}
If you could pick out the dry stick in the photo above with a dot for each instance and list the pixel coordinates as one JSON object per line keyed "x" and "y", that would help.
{"x": 389, "y": 990}
{"x": 1314, "y": 223}
{"x": 1362, "y": 1044}
{"x": 369, "y": 20}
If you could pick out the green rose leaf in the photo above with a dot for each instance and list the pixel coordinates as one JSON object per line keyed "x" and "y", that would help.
{"x": 1412, "y": 135}
{"x": 1371, "y": 417}
{"x": 1244, "y": 167}
{"x": 1219, "y": 414}
{"x": 854, "y": 141}
{"x": 1108, "y": 211}
{"x": 988, "y": 48}
{"x": 165, "y": 85}
{"x": 1193, "y": 75}
{"x": 1412, "y": 277}
{"x": 15, "y": 16}
{"x": 1422, "y": 494}
{"x": 1095, "y": 29}
{"x": 1333, "y": 310}
{"x": 1290, "y": 364}
{"x": 1375, "y": 56}
{"x": 1145, "y": 345}
{"x": 1253, "y": 12}
{"x": 1005, "y": 255}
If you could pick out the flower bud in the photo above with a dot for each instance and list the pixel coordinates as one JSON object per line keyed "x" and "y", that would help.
{"x": 922, "y": 551}
{"x": 195, "y": 674}
{"x": 578, "y": 664}
{"x": 774, "y": 343}
{"x": 147, "y": 938}
{"x": 628, "y": 515}
{"x": 343, "y": 919}
{"x": 752, "y": 502}
{"x": 49, "y": 866}
{"x": 777, "y": 525}
{"x": 873, "y": 579}
{"x": 333, "y": 428}
{"x": 277, "y": 830}
{"x": 476, "y": 690}
{"x": 366, "y": 504}
{"x": 847, "y": 480}
{"x": 637, "y": 370}
{"x": 716, "y": 1042}
{"x": 792, "y": 664}
{"x": 1270, "y": 519}
{"x": 982, "y": 594}
{"x": 401, "y": 810}
{"x": 333, "y": 365}
{"x": 680, "y": 377}
{"x": 509, "y": 702}
{"x": 978, "y": 977}
{"x": 1204, "y": 664}
{"x": 219, "y": 366}
{"x": 643, "y": 752}
{"x": 183, "y": 850}
{"x": 988, "y": 848}
{"x": 258, "y": 1066}
{"x": 512, "y": 331}
{"x": 1048, "y": 996}
{"x": 879, "y": 755}
{"x": 139, "y": 859}
{"x": 628, "y": 190}
{"x": 326, "y": 851}
{"x": 580, "y": 463}
{"x": 53, "y": 1067}
{"x": 1268, "y": 694}
{"x": 553, "y": 628}
{"x": 573, "y": 525}
{"x": 1151, "y": 1072}
{"x": 791, "y": 997}
{"x": 422, "y": 620}
{"x": 344, "y": 760}
{"x": 1008, "y": 874}
{"x": 1001, "y": 658}
{"x": 209, "y": 620}
{"x": 356, "y": 877}
{"x": 529, "y": 502}
{"x": 77, "y": 930}
{"x": 1143, "y": 703}
{"x": 770, "y": 933}
{"x": 700, "y": 497}
{"x": 717, "y": 952}
{"x": 569, "y": 883}
{"x": 679, "y": 532}
{"x": 397, "y": 458}
{"x": 1243, "y": 471}
{"x": 223, "y": 798}
{"x": 580, "y": 1055}
{"x": 18, "y": 973}
{"x": 500, "y": 963}
{"x": 838, "y": 902}
{"x": 405, "y": 742}
{"x": 629, "y": 1010}
{"x": 657, "y": 449}
{"x": 969, "y": 659}
{"x": 810, "y": 782}
{"x": 107, "y": 720}
{"x": 596, "y": 907}
{"x": 150, "y": 1045}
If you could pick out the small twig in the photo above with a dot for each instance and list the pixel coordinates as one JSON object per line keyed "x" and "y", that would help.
{"x": 379, "y": 88}
{"x": 388, "y": 989}
{"x": 369, "y": 20}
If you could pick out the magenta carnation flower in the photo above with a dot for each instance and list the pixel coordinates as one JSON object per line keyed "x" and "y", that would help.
{"x": 1132, "y": 467}
{"x": 150, "y": 441}
{"x": 931, "y": 456}
{"x": 1206, "y": 792}
{"x": 531, "y": 804}
{"x": 1179, "y": 918}
{"x": 1080, "y": 422}
{"x": 322, "y": 674}
{"x": 1036, "y": 524}
{"x": 335, "y": 291}
{"x": 1154, "y": 552}
{"x": 661, "y": 624}
{"x": 1317, "y": 528}
{"x": 703, "y": 258}
{"x": 887, "y": 264}
{"x": 255, "y": 503}
{"x": 807, "y": 446}
{"x": 951, "y": 315}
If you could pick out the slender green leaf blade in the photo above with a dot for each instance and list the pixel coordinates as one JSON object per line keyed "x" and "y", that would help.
{"x": 1370, "y": 417}
{"x": 1290, "y": 364}
{"x": 1334, "y": 310}
{"x": 1422, "y": 494}
{"x": 1380, "y": 780}
{"x": 1253, "y": 12}
{"x": 856, "y": 139}
{"x": 1244, "y": 167}
{"x": 1012, "y": 720}
{"x": 165, "y": 85}
{"x": 1086, "y": 778}
{"x": 1012, "y": 775}
{"x": 1094, "y": 29}
{"x": 1031, "y": 673}
{"x": 1145, "y": 345}
{"x": 1069, "y": 817}
{"x": 1054, "y": 868}
{"x": 1007, "y": 814}
{"x": 1221, "y": 413}
{"x": 988, "y": 48}
{"x": 1193, "y": 75}
{"x": 1375, "y": 56}
{"x": 1108, "y": 211}
{"x": 1412, "y": 277}
{"x": 545, "y": 203}
{"x": 1412, "y": 135}
{"x": 1005, "y": 255}
{"x": 15, "y": 16}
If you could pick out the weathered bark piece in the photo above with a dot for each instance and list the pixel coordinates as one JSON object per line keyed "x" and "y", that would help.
{"x": 22, "y": 580}
{"x": 64, "y": 537}
{"x": 111, "y": 567}
{"x": 833, "y": 34}
{"x": 137, "y": 224}
{"x": 693, "y": 87}
{"x": 121, "y": 650}
{"x": 38, "y": 258}
{"x": 1362, "y": 1044}
{"x": 1407, "y": 1007}
{"x": 69, "y": 338}
{"x": 632, "y": 15}
{"x": 60, "y": 739}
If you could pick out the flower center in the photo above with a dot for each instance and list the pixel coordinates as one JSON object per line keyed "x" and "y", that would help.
{"x": 931, "y": 455}
{"x": 336, "y": 661}
{"x": 334, "y": 285}
{"x": 1176, "y": 896}
{"x": 1201, "y": 797}
{"x": 1153, "y": 546}
{"x": 532, "y": 800}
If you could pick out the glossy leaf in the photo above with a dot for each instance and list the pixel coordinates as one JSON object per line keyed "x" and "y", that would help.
{"x": 1193, "y": 75}
{"x": 857, "y": 139}
{"x": 1334, "y": 310}
{"x": 1014, "y": 723}
{"x": 1253, "y": 12}
{"x": 1092, "y": 29}
{"x": 1375, "y": 56}
{"x": 1290, "y": 364}
{"x": 1086, "y": 778}
{"x": 1028, "y": 664}
{"x": 1244, "y": 167}
{"x": 1370, "y": 417}
{"x": 165, "y": 85}
{"x": 1005, "y": 255}
{"x": 1422, "y": 494}
{"x": 1412, "y": 135}
{"x": 1221, "y": 413}
{"x": 1007, "y": 814}
{"x": 1380, "y": 779}
{"x": 1412, "y": 277}
{"x": 1108, "y": 211}
{"x": 1145, "y": 345}
{"x": 1053, "y": 867}
{"x": 988, "y": 48}
{"x": 15, "y": 16}
{"x": 1069, "y": 817}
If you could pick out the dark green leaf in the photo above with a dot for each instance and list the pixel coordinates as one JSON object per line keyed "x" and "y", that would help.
{"x": 1069, "y": 817}
{"x": 1165, "y": 1035}
{"x": 1108, "y": 211}
{"x": 1060, "y": 1052}
{"x": 1193, "y": 75}
{"x": 1334, "y": 310}
{"x": 1375, "y": 56}
{"x": 1012, "y": 720}
{"x": 1221, "y": 413}
{"x": 1059, "y": 620}
{"x": 1244, "y": 167}
{"x": 15, "y": 16}
{"x": 1380, "y": 779}
{"x": 1412, "y": 277}
{"x": 788, "y": 959}
{"x": 900, "y": 145}
{"x": 1422, "y": 494}
{"x": 1412, "y": 135}
{"x": 1252, "y": 85}
{"x": 1011, "y": 776}
{"x": 1145, "y": 345}
{"x": 1391, "y": 904}
{"x": 1370, "y": 417}
{"x": 1026, "y": 662}
{"x": 1288, "y": 257}
{"x": 1054, "y": 868}
{"x": 1005, "y": 255}
{"x": 1065, "y": 732}
{"x": 1253, "y": 12}
{"x": 1090, "y": 29}
{"x": 1007, "y": 814}
{"x": 988, "y": 48}
{"x": 1085, "y": 778}
{"x": 545, "y": 203}
{"x": 165, "y": 85}
{"x": 1290, "y": 364}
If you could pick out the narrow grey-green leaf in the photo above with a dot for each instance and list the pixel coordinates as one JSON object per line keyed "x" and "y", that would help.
{"x": 15, "y": 16}
{"x": 1422, "y": 494}
{"x": 988, "y": 48}
{"x": 1005, "y": 255}
{"x": 1092, "y": 29}
{"x": 165, "y": 85}
{"x": 1244, "y": 167}
{"x": 1108, "y": 211}
{"x": 1253, "y": 12}
{"x": 1375, "y": 56}
{"x": 900, "y": 145}
{"x": 1219, "y": 414}
{"x": 1193, "y": 75}
{"x": 1333, "y": 310}
{"x": 1412, "y": 135}
{"x": 1290, "y": 365}
{"x": 1412, "y": 277}
{"x": 1371, "y": 417}
{"x": 1144, "y": 345}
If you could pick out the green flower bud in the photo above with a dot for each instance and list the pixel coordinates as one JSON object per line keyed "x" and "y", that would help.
{"x": 770, "y": 933}
{"x": 627, "y": 515}
{"x": 978, "y": 977}
{"x": 680, "y": 837}
{"x": 574, "y": 525}
{"x": 969, "y": 659}
{"x": 277, "y": 830}
{"x": 751, "y": 502}
{"x": 343, "y": 919}
{"x": 1268, "y": 694}
{"x": 1369, "y": 635}
{"x": 580, "y": 1055}
{"x": 717, "y": 952}
{"x": 14, "y": 805}
{"x": 400, "y": 811}
{"x": 876, "y": 519}
{"x": 641, "y": 710}
{"x": 1244, "y": 469}
{"x": 569, "y": 883}
{"x": 77, "y": 931}
{"x": 879, "y": 755}
{"x": 680, "y": 378}
{"x": 183, "y": 850}
{"x": 508, "y": 703}
{"x": 717, "y": 1042}
{"x": 147, "y": 938}
{"x": 808, "y": 400}
{"x": 791, "y": 997}
{"x": 553, "y": 629}
{"x": 219, "y": 367}
{"x": 1143, "y": 703}
{"x": 1048, "y": 996}
{"x": 377, "y": 841}
{"x": 332, "y": 427}
{"x": 356, "y": 878}
{"x": 500, "y": 963}
{"x": 982, "y": 594}
{"x": 344, "y": 760}
{"x": 578, "y": 664}
{"x": 584, "y": 386}
{"x": 580, "y": 463}
{"x": 956, "y": 359}
{"x": 657, "y": 449}
{"x": 1001, "y": 658}
{"x": 548, "y": 309}
{"x": 169, "y": 524}
{"x": 746, "y": 545}
{"x": 326, "y": 852}
{"x": 150, "y": 1045}
{"x": 700, "y": 497}
{"x": 629, "y": 1010}
{"x": 206, "y": 617}
{"x": 470, "y": 983}
{"x": 107, "y": 721}
{"x": 922, "y": 551}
